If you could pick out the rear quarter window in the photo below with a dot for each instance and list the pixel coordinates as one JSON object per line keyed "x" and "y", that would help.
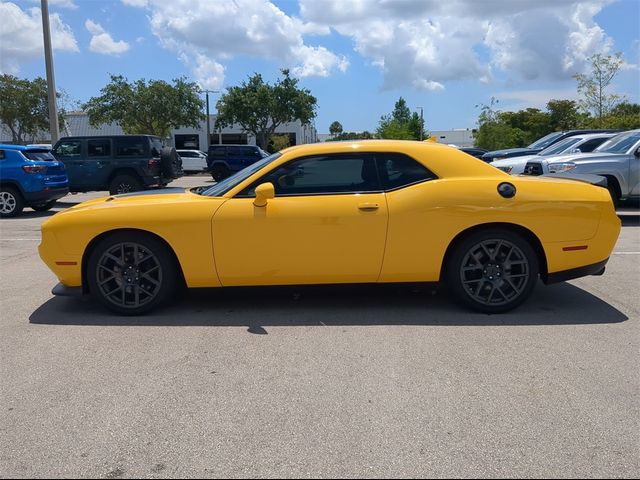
{"x": 130, "y": 147}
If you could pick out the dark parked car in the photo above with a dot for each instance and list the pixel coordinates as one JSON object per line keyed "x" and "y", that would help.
{"x": 29, "y": 176}
{"x": 118, "y": 163}
{"x": 538, "y": 145}
{"x": 473, "y": 151}
{"x": 223, "y": 160}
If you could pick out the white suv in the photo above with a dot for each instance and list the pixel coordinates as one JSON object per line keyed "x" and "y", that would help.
{"x": 193, "y": 161}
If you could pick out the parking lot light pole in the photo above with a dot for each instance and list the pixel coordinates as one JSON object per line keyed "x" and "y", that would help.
{"x": 51, "y": 83}
{"x": 208, "y": 121}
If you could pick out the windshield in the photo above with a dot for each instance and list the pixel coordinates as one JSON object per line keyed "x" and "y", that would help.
{"x": 545, "y": 141}
{"x": 228, "y": 183}
{"x": 620, "y": 143}
{"x": 38, "y": 155}
{"x": 561, "y": 147}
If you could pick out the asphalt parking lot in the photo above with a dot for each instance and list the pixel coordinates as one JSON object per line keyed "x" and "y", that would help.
{"x": 346, "y": 382}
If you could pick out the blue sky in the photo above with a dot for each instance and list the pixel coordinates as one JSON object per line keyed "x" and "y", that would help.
{"x": 356, "y": 56}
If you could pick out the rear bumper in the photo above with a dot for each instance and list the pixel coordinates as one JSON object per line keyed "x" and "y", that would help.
{"x": 564, "y": 275}
{"x": 46, "y": 196}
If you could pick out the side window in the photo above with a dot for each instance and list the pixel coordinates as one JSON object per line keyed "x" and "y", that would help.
{"x": 129, "y": 147}
{"x": 398, "y": 170}
{"x": 218, "y": 151}
{"x": 69, "y": 148}
{"x": 590, "y": 145}
{"x": 326, "y": 174}
{"x": 99, "y": 147}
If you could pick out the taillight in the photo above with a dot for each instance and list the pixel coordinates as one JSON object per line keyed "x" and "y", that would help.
{"x": 154, "y": 163}
{"x": 34, "y": 168}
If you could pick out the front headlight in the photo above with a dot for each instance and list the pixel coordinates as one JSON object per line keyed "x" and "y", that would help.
{"x": 561, "y": 167}
{"x": 506, "y": 168}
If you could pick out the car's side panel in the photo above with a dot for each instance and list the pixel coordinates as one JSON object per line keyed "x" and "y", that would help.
{"x": 183, "y": 221}
{"x": 301, "y": 239}
{"x": 424, "y": 218}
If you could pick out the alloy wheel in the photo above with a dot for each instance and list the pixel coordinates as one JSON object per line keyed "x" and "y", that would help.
{"x": 8, "y": 202}
{"x": 129, "y": 275}
{"x": 494, "y": 272}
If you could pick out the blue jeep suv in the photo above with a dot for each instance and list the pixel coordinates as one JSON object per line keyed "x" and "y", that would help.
{"x": 224, "y": 160}
{"x": 29, "y": 176}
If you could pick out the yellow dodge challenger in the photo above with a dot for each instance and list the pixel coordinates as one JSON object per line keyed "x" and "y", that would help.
{"x": 344, "y": 212}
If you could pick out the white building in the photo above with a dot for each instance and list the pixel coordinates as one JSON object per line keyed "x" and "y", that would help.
{"x": 77, "y": 124}
{"x": 460, "y": 137}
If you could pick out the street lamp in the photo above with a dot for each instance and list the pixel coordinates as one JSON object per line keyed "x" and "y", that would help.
{"x": 208, "y": 121}
{"x": 421, "y": 123}
{"x": 51, "y": 83}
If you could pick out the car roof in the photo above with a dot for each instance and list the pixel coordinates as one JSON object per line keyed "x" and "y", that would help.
{"x": 15, "y": 147}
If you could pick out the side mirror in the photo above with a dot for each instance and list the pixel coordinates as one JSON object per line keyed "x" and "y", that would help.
{"x": 264, "y": 192}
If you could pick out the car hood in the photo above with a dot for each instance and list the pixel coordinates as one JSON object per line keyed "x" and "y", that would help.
{"x": 509, "y": 162}
{"x": 583, "y": 157}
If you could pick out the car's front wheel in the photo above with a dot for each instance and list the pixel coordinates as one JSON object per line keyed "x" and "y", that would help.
{"x": 492, "y": 271}
{"x": 131, "y": 273}
{"x": 219, "y": 172}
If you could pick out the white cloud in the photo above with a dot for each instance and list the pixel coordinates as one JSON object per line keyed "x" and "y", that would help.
{"x": 426, "y": 43}
{"x": 102, "y": 42}
{"x": 220, "y": 30}
{"x": 208, "y": 73}
{"x": 21, "y": 36}
{"x": 135, "y": 3}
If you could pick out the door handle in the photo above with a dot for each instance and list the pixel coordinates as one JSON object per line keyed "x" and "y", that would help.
{"x": 368, "y": 206}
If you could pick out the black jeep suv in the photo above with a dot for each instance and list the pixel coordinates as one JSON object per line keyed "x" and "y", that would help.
{"x": 118, "y": 163}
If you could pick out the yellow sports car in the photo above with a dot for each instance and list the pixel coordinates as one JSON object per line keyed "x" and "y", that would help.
{"x": 345, "y": 212}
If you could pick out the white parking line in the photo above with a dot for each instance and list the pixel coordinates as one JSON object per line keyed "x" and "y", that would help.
{"x": 625, "y": 253}
{"x": 19, "y": 239}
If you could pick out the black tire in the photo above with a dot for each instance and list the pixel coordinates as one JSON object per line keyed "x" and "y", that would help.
{"x": 492, "y": 261}
{"x": 170, "y": 163}
{"x": 11, "y": 202}
{"x": 219, "y": 172}
{"x": 613, "y": 191}
{"x": 43, "y": 207}
{"x": 124, "y": 183}
{"x": 131, "y": 273}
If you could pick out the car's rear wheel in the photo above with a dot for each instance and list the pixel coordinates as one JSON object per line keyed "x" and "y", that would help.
{"x": 219, "y": 172}
{"x": 43, "y": 207}
{"x": 131, "y": 273}
{"x": 492, "y": 271}
{"x": 124, "y": 184}
{"x": 11, "y": 202}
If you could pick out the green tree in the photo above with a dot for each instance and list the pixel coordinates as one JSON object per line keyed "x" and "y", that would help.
{"x": 23, "y": 107}
{"x": 565, "y": 115}
{"x": 401, "y": 124}
{"x": 335, "y": 128}
{"x": 279, "y": 142}
{"x": 625, "y": 116}
{"x": 259, "y": 108}
{"x": 155, "y": 107}
{"x": 355, "y": 136}
{"x": 593, "y": 85}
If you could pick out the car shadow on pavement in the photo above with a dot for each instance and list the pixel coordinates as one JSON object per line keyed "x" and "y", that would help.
{"x": 263, "y": 307}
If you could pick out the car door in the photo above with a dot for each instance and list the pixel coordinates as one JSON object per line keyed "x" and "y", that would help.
{"x": 99, "y": 164}
{"x": 70, "y": 153}
{"x": 326, "y": 224}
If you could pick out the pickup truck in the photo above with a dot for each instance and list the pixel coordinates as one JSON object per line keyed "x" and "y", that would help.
{"x": 618, "y": 160}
